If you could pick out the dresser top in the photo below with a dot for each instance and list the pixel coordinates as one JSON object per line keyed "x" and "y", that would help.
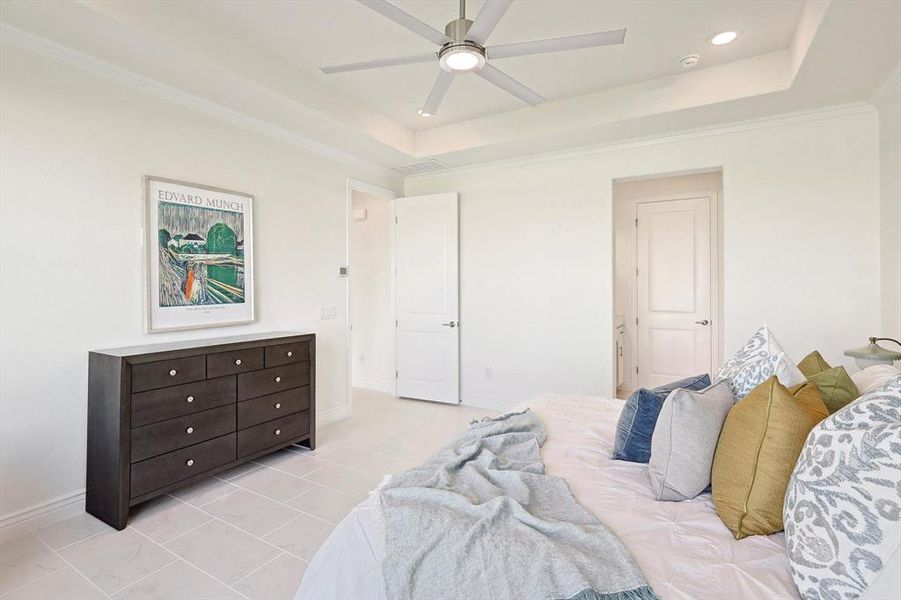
{"x": 201, "y": 343}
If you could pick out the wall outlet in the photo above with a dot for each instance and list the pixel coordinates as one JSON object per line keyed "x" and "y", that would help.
{"x": 328, "y": 312}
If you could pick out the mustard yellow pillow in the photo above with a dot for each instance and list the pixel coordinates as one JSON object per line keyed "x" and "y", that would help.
{"x": 836, "y": 386}
{"x": 809, "y": 397}
{"x": 758, "y": 447}
{"x": 813, "y": 363}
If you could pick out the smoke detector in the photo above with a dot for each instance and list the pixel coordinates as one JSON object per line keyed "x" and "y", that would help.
{"x": 690, "y": 60}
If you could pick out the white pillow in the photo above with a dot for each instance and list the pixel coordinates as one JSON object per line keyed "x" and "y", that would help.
{"x": 873, "y": 377}
{"x": 842, "y": 510}
{"x": 758, "y": 360}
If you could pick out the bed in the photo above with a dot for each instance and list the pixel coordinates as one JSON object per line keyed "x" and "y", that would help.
{"x": 683, "y": 548}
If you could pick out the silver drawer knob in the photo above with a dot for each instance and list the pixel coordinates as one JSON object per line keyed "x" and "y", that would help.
{"x": 189, "y": 399}
{"x": 278, "y": 432}
{"x": 278, "y": 405}
{"x": 237, "y": 361}
{"x": 173, "y": 373}
{"x": 190, "y": 462}
{"x": 289, "y": 354}
{"x": 189, "y": 430}
{"x": 278, "y": 380}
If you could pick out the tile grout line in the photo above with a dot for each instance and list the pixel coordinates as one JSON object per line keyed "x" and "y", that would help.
{"x": 71, "y": 566}
{"x": 186, "y": 561}
{"x": 268, "y": 562}
{"x": 221, "y": 520}
{"x": 265, "y": 541}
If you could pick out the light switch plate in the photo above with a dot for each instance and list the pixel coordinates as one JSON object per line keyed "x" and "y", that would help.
{"x": 328, "y": 312}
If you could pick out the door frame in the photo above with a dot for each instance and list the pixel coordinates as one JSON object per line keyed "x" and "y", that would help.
{"x": 356, "y": 185}
{"x": 716, "y": 332}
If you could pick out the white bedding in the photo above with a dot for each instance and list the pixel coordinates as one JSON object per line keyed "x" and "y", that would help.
{"x": 683, "y": 548}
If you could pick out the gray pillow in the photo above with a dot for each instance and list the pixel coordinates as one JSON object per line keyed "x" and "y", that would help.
{"x": 685, "y": 439}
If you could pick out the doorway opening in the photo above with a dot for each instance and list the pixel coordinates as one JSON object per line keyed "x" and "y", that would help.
{"x": 667, "y": 272}
{"x": 370, "y": 235}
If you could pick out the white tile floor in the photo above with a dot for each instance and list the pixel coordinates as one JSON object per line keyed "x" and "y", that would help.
{"x": 247, "y": 533}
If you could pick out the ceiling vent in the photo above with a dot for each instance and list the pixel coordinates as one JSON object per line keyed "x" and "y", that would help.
{"x": 419, "y": 168}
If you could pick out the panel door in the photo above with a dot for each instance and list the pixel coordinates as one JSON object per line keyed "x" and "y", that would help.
{"x": 427, "y": 284}
{"x": 674, "y": 290}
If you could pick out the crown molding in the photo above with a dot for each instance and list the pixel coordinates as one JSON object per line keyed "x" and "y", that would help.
{"x": 92, "y": 64}
{"x": 890, "y": 86}
{"x": 780, "y": 120}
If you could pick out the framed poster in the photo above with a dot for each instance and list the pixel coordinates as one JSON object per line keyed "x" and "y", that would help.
{"x": 199, "y": 256}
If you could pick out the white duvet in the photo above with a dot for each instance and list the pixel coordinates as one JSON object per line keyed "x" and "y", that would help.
{"x": 682, "y": 547}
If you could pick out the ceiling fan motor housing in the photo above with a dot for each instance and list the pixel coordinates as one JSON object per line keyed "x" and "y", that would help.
{"x": 458, "y": 45}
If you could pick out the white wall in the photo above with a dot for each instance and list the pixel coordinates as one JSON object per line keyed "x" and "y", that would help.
{"x": 625, "y": 195}
{"x": 890, "y": 191}
{"x": 801, "y": 223}
{"x": 371, "y": 301}
{"x": 73, "y": 150}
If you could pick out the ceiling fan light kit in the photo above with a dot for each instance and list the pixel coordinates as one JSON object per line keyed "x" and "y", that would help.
{"x": 462, "y": 49}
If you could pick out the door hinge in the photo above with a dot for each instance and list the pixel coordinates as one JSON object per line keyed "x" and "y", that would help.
{"x": 636, "y": 222}
{"x": 395, "y": 220}
{"x": 636, "y": 271}
{"x": 395, "y": 322}
{"x": 636, "y": 369}
{"x": 636, "y": 320}
{"x": 395, "y": 374}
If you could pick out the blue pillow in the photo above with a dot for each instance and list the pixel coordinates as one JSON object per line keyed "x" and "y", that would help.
{"x": 639, "y": 417}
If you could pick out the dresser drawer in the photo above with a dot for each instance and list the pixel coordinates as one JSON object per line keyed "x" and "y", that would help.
{"x": 284, "y": 354}
{"x": 273, "y": 433}
{"x": 168, "y": 403}
{"x": 237, "y": 361}
{"x": 149, "y": 376}
{"x": 155, "y": 473}
{"x": 273, "y": 406}
{"x": 151, "y": 440}
{"x": 270, "y": 381}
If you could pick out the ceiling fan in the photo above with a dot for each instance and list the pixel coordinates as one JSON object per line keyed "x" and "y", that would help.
{"x": 462, "y": 49}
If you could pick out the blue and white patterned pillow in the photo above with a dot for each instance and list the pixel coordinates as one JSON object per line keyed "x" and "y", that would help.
{"x": 758, "y": 360}
{"x": 842, "y": 510}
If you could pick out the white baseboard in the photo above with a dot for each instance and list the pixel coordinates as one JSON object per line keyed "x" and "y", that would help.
{"x": 324, "y": 417}
{"x": 386, "y": 387}
{"x": 27, "y": 520}
{"x": 487, "y": 402}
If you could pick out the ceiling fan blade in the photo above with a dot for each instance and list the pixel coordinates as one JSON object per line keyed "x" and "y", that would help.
{"x": 406, "y": 20}
{"x": 510, "y": 85}
{"x": 570, "y": 42}
{"x": 439, "y": 90}
{"x": 378, "y": 64}
{"x": 491, "y": 14}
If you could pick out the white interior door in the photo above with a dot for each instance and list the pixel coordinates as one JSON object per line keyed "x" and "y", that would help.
{"x": 428, "y": 306}
{"x": 673, "y": 289}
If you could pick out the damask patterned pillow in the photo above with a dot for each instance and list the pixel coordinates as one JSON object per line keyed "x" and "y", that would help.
{"x": 758, "y": 360}
{"x": 842, "y": 509}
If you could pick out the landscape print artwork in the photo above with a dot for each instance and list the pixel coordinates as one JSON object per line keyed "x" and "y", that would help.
{"x": 201, "y": 272}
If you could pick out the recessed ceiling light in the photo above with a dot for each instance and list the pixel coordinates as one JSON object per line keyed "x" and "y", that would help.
{"x": 724, "y": 37}
{"x": 423, "y": 114}
{"x": 690, "y": 60}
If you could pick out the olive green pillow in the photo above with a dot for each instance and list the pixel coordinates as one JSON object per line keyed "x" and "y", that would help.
{"x": 811, "y": 400}
{"x": 812, "y": 364}
{"x": 758, "y": 447}
{"x": 836, "y": 386}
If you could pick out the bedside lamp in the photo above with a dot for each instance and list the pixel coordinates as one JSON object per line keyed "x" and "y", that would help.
{"x": 874, "y": 354}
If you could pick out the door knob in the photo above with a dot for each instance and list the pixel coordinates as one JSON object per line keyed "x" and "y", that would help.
{"x": 703, "y": 322}
{"x": 452, "y": 324}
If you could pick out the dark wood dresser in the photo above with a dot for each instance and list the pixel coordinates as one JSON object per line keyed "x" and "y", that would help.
{"x": 163, "y": 416}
